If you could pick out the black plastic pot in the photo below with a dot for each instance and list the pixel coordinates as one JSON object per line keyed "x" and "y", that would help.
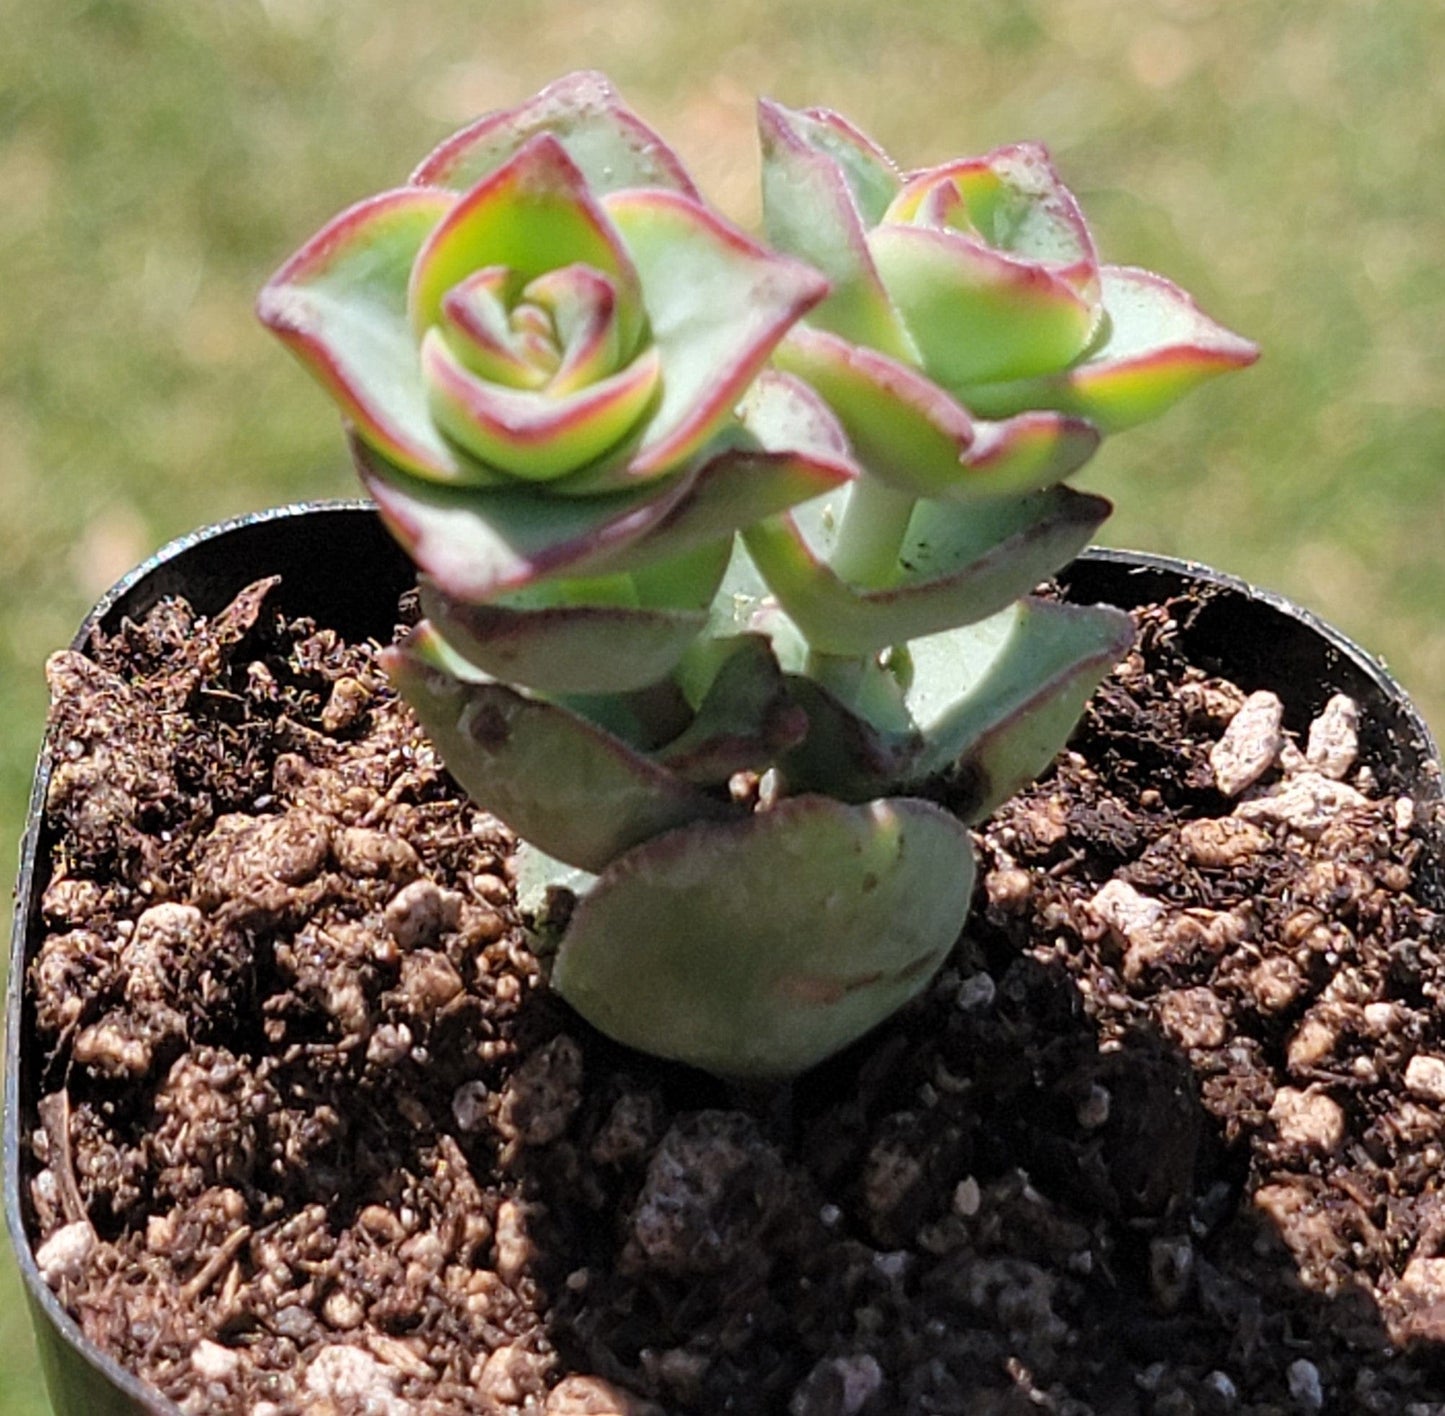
{"x": 340, "y": 567}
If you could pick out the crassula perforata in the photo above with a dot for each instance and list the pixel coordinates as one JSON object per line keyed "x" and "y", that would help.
{"x": 725, "y": 548}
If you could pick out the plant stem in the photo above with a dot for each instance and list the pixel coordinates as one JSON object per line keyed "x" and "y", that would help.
{"x": 841, "y": 674}
{"x": 865, "y": 554}
{"x": 870, "y": 534}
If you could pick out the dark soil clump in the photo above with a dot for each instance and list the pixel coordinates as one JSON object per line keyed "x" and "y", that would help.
{"x": 1164, "y": 1136}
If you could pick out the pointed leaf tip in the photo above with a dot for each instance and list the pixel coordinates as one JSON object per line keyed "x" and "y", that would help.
{"x": 717, "y": 305}
{"x": 614, "y": 147}
{"x": 339, "y": 304}
{"x": 1158, "y": 346}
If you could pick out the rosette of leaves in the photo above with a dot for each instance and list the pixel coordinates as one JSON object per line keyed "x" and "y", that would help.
{"x": 553, "y": 359}
{"x": 975, "y": 350}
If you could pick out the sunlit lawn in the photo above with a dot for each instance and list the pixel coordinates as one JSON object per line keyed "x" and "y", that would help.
{"x": 157, "y": 159}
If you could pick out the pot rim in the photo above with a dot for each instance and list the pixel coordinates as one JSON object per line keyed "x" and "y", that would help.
{"x": 38, "y": 1292}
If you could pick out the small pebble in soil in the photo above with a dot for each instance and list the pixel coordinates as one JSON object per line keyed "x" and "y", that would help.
{"x": 1308, "y": 1120}
{"x": 1334, "y": 738}
{"x": 1305, "y": 1385}
{"x": 1251, "y": 744}
{"x": 1307, "y": 803}
{"x": 65, "y": 1254}
{"x": 1425, "y": 1077}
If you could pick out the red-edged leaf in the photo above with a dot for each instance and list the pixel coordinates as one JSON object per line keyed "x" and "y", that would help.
{"x": 1024, "y": 454}
{"x": 530, "y": 216}
{"x": 976, "y": 313}
{"x": 958, "y": 564}
{"x": 477, "y": 324}
{"x": 995, "y": 701}
{"x": 579, "y": 793}
{"x": 602, "y": 135}
{"x": 480, "y": 543}
{"x": 1012, "y": 200}
{"x": 534, "y": 434}
{"x": 717, "y": 305}
{"x": 872, "y": 176}
{"x": 339, "y": 304}
{"x": 583, "y": 305}
{"x": 902, "y": 427}
{"x": 812, "y": 210}
{"x": 624, "y": 635}
{"x": 1159, "y": 345}
{"x": 757, "y": 948}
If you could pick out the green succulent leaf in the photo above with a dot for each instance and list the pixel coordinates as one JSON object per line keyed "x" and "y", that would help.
{"x": 743, "y": 606}
{"x": 915, "y": 437}
{"x": 1158, "y": 345}
{"x": 746, "y": 719}
{"x": 994, "y": 701}
{"x": 339, "y": 305}
{"x": 535, "y": 435}
{"x": 757, "y": 948}
{"x": 986, "y": 706}
{"x": 477, "y": 325}
{"x": 536, "y": 877}
{"x": 1013, "y": 201}
{"x": 564, "y": 638}
{"x": 976, "y": 313}
{"x": 786, "y": 449}
{"x": 532, "y": 215}
{"x": 602, "y": 135}
{"x": 1027, "y": 453}
{"x": 819, "y": 178}
{"x": 717, "y": 305}
{"x": 958, "y": 564}
{"x": 870, "y": 175}
{"x": 480, "y": 543}
{"x": 784, "y": 415}
{"x": 902, "y": 427}
{"x": 582, "y": 305}
{"x": 846, "y": 753}
{"x": 577, "y": 792}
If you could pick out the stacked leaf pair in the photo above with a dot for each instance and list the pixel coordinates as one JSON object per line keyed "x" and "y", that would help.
{"x": 725, "y": 548}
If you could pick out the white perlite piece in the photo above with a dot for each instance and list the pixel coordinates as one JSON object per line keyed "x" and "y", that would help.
{"x": 591, "y": 1396}
{"x": 1132, "y": 916}
{"x": 1151, "y": 934}
{"x": 212, "y": 1362}
{"x": 353, "y": 1379}
{"x": 1334, "y": 740}
{"x": 1309, "y": 1120}
{"x": 514, "y": 1250}
{"x": 1251, "y": 744}
{"x": 967, "y": 1197}
{"x": 65, "y": 1253}
{"x": 1306, "y": 804}
{"x": 1222, "y": 1388}
{"x": 420, "y": 912}
{"x": 1425, "y": 1077}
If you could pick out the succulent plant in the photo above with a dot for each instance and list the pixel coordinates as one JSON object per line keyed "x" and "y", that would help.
{"x": 724, "y": 548}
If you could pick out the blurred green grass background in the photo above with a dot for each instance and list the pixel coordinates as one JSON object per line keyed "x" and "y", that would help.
{"x": 158, "y": 159}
